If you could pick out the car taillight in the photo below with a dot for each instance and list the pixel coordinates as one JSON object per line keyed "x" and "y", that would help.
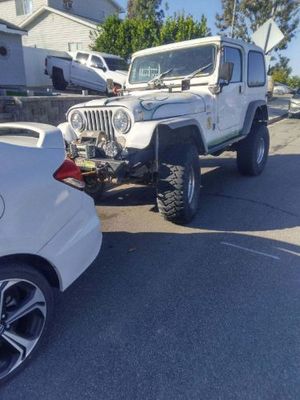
{"x": 70, "y": 174}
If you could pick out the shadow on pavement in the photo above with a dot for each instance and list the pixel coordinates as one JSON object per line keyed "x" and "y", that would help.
{"x": 231, "y": 202}
{"x": 173, "y": 316}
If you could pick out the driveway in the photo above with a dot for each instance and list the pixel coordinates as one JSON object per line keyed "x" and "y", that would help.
{"x": 207, "y": 311}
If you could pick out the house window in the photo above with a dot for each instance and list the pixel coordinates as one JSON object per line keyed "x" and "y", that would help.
{"x": 74, "y": 46}
{"x": 23, "y": 7}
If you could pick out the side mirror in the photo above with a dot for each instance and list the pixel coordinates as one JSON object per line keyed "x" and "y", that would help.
{"x": 226, "y": 71}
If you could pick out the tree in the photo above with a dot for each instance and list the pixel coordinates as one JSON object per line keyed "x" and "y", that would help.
{"x": 124, "y": 37}
{"x": 181, "y": 27}
{"x": 145, "y": 9}
{"x": 282, "y": 65}
{"x": 251, "y": 14}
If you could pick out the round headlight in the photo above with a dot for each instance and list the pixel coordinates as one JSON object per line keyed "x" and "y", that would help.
{"x": 122, "y": 121}
{"x": 77, "y": 121}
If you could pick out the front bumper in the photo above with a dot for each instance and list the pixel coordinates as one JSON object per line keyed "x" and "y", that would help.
{"x": 76, "y": 245}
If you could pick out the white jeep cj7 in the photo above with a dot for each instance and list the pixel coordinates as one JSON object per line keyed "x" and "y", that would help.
{"x": 181, "y": 101}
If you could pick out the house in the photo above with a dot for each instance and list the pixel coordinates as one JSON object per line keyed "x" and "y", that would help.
{"x": 64, "y": 25}
{"x": 12, "y": 70}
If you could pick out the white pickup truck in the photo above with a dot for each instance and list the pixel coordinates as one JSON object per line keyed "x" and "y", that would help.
{"x": 89, "y": 70}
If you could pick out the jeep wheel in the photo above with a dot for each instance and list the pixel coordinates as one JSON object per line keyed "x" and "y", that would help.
{"x": 252, "y": 152}
{"x": 178, "y": 186}
{"x": 58, "y": 79}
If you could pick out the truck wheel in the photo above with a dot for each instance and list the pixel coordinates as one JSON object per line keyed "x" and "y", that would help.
{"x": 26, "y": 308}
{"x": 252, "y": 152}
{"x": 178, "y": 186}
{"x": 58, "y": 79}
{"x": 94, "y": 187}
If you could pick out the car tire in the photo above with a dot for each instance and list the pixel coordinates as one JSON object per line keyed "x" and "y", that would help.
{"x": 58, "y": 79}
{"x": 252, "y": 152}
{"x": 21, "y": 332}
{"x": 178, "y": 186}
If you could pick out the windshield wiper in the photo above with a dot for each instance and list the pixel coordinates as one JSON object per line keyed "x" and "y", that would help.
{"x": 157, "y": 78}
{"x": 193, "y": 74}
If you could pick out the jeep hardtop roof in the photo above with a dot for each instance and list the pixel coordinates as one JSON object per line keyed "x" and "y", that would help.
{"x": 195, "y": 42}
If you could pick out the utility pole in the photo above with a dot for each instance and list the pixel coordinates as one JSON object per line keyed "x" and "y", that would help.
{"x": 233, "y": 18}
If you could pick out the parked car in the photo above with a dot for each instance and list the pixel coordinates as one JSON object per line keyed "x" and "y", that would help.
{"x": 282, "y": 89}
{"x": 49, "y": 234}
{"x": 90, "y": 70}
{"x": 184, "y": 100}
{"x": 294, "y": 105}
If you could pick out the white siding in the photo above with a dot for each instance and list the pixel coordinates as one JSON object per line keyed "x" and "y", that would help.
{"x": 12, "y": 71}
{"x": 96, "y": 10}
{"x": 52, "y": 31}
{"x": 8, "y": 10}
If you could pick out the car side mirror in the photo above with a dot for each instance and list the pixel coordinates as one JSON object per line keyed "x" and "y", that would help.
{"x": 226, "y": 71}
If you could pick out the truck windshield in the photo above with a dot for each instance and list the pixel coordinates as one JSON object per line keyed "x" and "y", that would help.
{"x": 181, "y": 62}
{"x": 116, "y": 64}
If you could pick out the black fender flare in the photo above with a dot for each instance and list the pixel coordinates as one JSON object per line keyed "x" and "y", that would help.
{"x": 190, "y": 131}
{"x": 256, "y": 110}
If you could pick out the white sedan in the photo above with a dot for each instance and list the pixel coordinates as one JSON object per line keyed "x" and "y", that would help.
{"x": 49, "y": 234}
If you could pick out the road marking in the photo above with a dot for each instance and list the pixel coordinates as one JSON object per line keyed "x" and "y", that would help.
{"x": 251, "y": 251}
{"x": 288, "y": 251}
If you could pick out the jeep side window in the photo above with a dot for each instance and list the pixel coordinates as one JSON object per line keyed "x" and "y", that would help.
{"x": 234, "y": 56}
{"x": 256, "y": 69}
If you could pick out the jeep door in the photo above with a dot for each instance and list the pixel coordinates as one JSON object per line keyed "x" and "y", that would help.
{"x": 231, "y": 101}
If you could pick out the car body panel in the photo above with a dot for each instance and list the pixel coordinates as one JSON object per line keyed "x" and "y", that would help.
{"x": 37, "y": 206}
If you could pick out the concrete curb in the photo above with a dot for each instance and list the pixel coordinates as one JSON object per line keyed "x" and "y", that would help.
{"x": 277, "y": 119}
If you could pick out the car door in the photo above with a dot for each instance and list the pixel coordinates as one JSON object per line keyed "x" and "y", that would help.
{"x": 97, "y": 78}
{"x": 80, "y": 70}
{"x": 231, "y": 101}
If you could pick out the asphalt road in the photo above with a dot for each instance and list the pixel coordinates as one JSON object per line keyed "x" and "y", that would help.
{"x": 208, "y": 311}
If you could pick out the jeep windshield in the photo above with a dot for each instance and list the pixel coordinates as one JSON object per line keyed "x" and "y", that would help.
{"x": 180, "y": 62}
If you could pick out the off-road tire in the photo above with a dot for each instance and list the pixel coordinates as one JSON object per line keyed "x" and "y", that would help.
{"x": 58, "y": 79}
{"x": 252, "y": 152}
{"x": 24, "y": 272}
{"x": 175, "y": 169}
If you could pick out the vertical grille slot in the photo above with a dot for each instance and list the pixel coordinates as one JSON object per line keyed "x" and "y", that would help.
{"x": 100, "y": 120}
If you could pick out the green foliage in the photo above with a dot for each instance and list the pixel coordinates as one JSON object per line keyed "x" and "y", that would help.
{"x": 281, "y": 72}
{"x": 294, "y": 82}
{"x": 145, "y": 9}
{"x": 124, "y": 37}
{"x": 251, "y": 14}
{"x": 283, "y": 65}
{"x": 181, "y": 27}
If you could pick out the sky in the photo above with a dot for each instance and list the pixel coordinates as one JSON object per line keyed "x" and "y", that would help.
{"x": 209, "y": 8}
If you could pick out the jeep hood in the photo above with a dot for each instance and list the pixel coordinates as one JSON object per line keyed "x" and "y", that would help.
{"x": 146, "y": 106}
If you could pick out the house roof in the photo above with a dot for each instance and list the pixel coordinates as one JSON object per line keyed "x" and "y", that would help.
{"x": 11, "y": 28}
{"x": 84, "y": 21}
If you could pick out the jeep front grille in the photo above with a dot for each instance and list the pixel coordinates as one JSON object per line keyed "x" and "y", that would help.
{"x": 100, "y": 121}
